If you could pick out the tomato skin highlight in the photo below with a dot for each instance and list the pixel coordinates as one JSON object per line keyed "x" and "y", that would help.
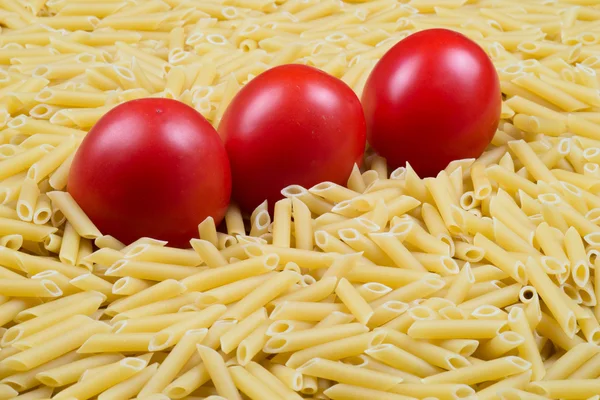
{"x": 432, "y": 98}
{"x": 151, "y": 168}
{"x": 292, "y": 124}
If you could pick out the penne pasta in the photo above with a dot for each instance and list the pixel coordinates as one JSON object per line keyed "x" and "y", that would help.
{"x": 479, "y": 282}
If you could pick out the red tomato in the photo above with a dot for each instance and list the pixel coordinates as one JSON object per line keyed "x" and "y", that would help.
{"x": 292, "y": 124}
{"x": 434, "y": 97}
{"x": 151, "y": 167}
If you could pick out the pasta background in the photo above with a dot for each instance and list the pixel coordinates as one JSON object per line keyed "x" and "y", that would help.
{"x": 481, "y": 283}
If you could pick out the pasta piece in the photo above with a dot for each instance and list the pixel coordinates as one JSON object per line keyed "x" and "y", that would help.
{"x": 105, "y": 379}
{"x": 500, "y": 345}
{"x": 316, "y": 204}
{"x": 262, "y": 295}
{"x": 459, "y": 288}
{"x": 27, "y": 200}
{"x": 8, "y": 392}
{"x": 174, "y": 362}
{"x": 396, "y": 251}
{"x": 14, "y": 242}
{"x": 161, "y": 291}
{"x": 70, "y": 245}
{"x": 569, "y": 389}
{"x": 52, "y": 161}
{"x": 108, "y": 342}
{"x": 249, "y": 348}
{"x": 150, "y": 270}
{"x": 160, "y": 307}
{"x": 29, "y": 288}
{"x": 75, "y": 215}
{"x": 490, "y": 370}
{"x": 172, "y": 334}
{"x": 232, "y": 292}
{"x": 303, "y": 231}
{"x": 69, "y": 373}
{"x": 338, "y": 349}
{"x": 218, "y": 372}
{"x": 234, "y": 336}
{"x": 92, "y": 282}
{"x": 26, "y": 380}
{"x": 510, "y": 181}
{"x": 208, "y": 253}
{"x": 281, "y": 224}
{"x": 335, "y": 318}
{"x": 346, "y": 391}
{"x": 104, "y": 256}
{"x": 417, "y": 289}
{"x": 587, "y": 370}
{"x": 54, "y": 348}
{"x": 440, "y": 195}
{"x": 552, "y": 297}
{"x": 434, "y": 390}
{"x": 303, "y": 339}
{"x": 497, "y": 298}
{"x": 549, "y": 244}
{"x": 249, "y": 384}
{"x": 549, "y": 92}
{"x": 215, "y": 277}
{"x": 449, "y": 329}
{"x": 28, "y": 230}
{"x": 355, "y": 303}
{"x": 208, "y": 231}
{"x": 271, "y": 381}
{"x": 162, "y": 254}
{"x": 188, "y": 382}
{"x": 43, "y": 210}
{"x": 372, "y": 291}
{"x": 41, "y": 393}
{"x": 57, "y": 310}
{"x": 433, "y": 354}
{"x": 571, "y": 361}
{"x": 527, "y": 350}
{"x": 398, "y": 358}
{"x": 150, "y": 324}
{"x": 418, "y": 237}
{"x": 332, "y": 192}
{"x": 518, "y": 381}
{"x": 343, "y": 373}
{"x": 131, "y": 386}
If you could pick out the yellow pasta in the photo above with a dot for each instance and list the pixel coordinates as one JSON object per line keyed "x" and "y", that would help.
{"x": 27, "y": 200}
{"x": 161, "y": 291}
{"x": 171, "y": 335}
{"x": 390, "y": 287}
{"x": 399, "y": 358}
{"x": 355, "y": 303}
{"x": 81, "y": 223}
{"x": 343, "y": 373}
{"x": 282, "y": 226}
{"x": 303, "y": 231}
{"x": 219, "y": 373}
{"x": 54, "y": 348}
{"x": 22, "y": 161}
{"x": 554, "y": 300}
{"x": 174, "y": 362}
{"x": 28, "y": 230}
{"x": 234, "y": 336}
{"x": 107, "y": 378}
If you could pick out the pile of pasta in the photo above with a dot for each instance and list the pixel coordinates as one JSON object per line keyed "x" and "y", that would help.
{"x": 480, "y": 283}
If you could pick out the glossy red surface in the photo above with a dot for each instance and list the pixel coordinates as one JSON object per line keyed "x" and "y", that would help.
{"x": 151, "y": 167}
{"x": 433, "y": 98}
{"x": 290, "y": 125}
